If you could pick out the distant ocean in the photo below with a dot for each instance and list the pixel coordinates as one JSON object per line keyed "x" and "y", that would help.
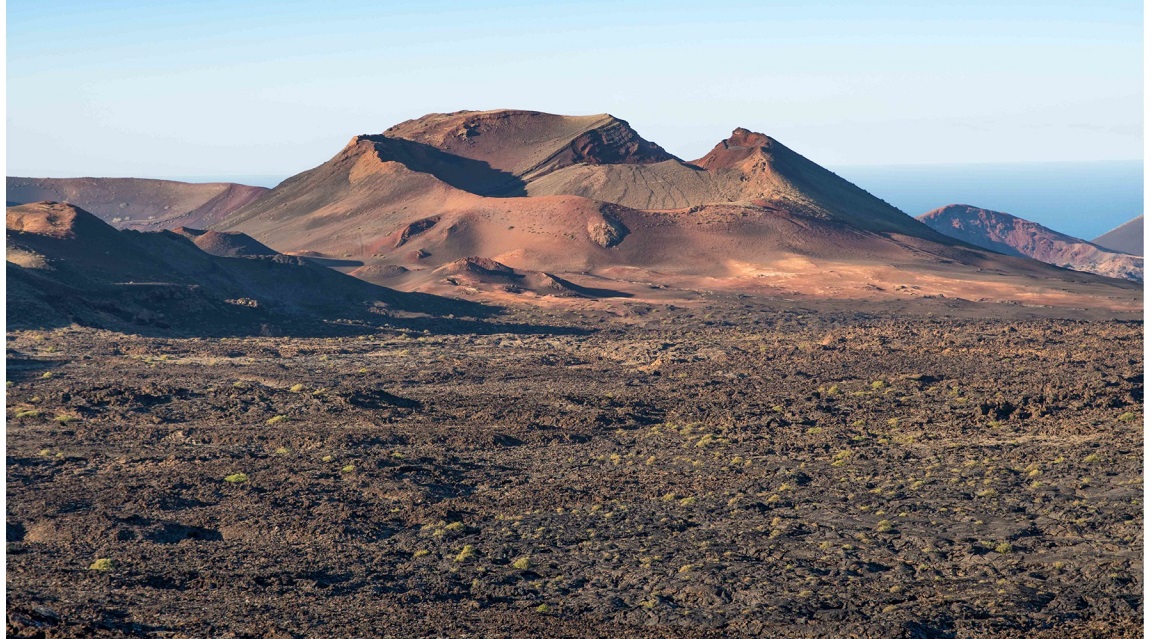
{"x": 1082, "y": 199}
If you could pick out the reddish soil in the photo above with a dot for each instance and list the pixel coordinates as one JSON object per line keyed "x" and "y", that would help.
{"x": 587, "y": 197}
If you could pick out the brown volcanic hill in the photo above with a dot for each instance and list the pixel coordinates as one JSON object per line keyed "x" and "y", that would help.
{"x": 65, "y": 265}
{"x": 528, "y": 144}
{"x": 141, "y": 204}
{"x": 746, "y": 167}
{"x": 1012, "y": 235}
{"x": 1126, "y": 238}
{"x": 58, "y": 221}
{"x": 752, "y": 216}
{"x": 222, "y": 244}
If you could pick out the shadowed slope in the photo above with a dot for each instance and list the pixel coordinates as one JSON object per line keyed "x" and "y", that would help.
{"x": 68, "y": 266}
{"x": 1126, "y": 238}
{"x": 1012, "y": 235}
{"x": 224, "y": 244}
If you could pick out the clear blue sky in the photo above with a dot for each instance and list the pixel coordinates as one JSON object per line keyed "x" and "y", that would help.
{"x": 210, "y": 88}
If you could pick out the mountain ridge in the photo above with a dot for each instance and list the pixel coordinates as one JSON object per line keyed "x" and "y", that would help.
{"x": 539, "y": 193}
{"x": 1012, "y": 235}
{"x": 139, "y": 203}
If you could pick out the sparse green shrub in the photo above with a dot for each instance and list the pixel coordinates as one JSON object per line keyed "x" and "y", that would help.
{"x": 46, "y": 375}
{"x": 1127, "y": 417}
{"x": 327, "y": 458}
{"x": 466, "y": 553}
{"x": 1003, "y": 548}
{"x": 877, "y": 385}
{"x": 523, "y": 563}
{"x": 347, "y": 469}
{"x": 64, "y": 419}
{"x": 296, "y": 388}
{"x": 27, "y": 413}
{"x": 422, "y": 553}
{"x": 543, "y": 608}
{"x": 236, "y": 478}
{"x": 885, "y": 526}
{"x": 102, "y": 565}
{"x": 709, "y": 440}
{"x": 276, "y": 420}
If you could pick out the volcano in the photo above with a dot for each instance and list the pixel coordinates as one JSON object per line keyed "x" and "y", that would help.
{"x": 588, "y": 200}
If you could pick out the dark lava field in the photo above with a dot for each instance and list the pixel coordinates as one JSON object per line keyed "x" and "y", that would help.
{"x": 766, "y": 472}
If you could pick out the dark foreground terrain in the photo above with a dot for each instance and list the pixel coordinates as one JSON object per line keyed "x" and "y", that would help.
{"x": 685, "y": 473}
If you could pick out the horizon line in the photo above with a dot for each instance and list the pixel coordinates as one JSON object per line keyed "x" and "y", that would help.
{"x": 217, "y": 177}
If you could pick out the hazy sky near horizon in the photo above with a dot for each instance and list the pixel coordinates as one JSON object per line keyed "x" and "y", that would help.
{"x": 211, "y": 88}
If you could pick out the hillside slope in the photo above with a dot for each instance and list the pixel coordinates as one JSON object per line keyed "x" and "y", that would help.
{"x": 140, "y": 204}
{"x": 1126, "y": 238}
{"x": 1011, "y": 235}
{"x": 64, "y": 265}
